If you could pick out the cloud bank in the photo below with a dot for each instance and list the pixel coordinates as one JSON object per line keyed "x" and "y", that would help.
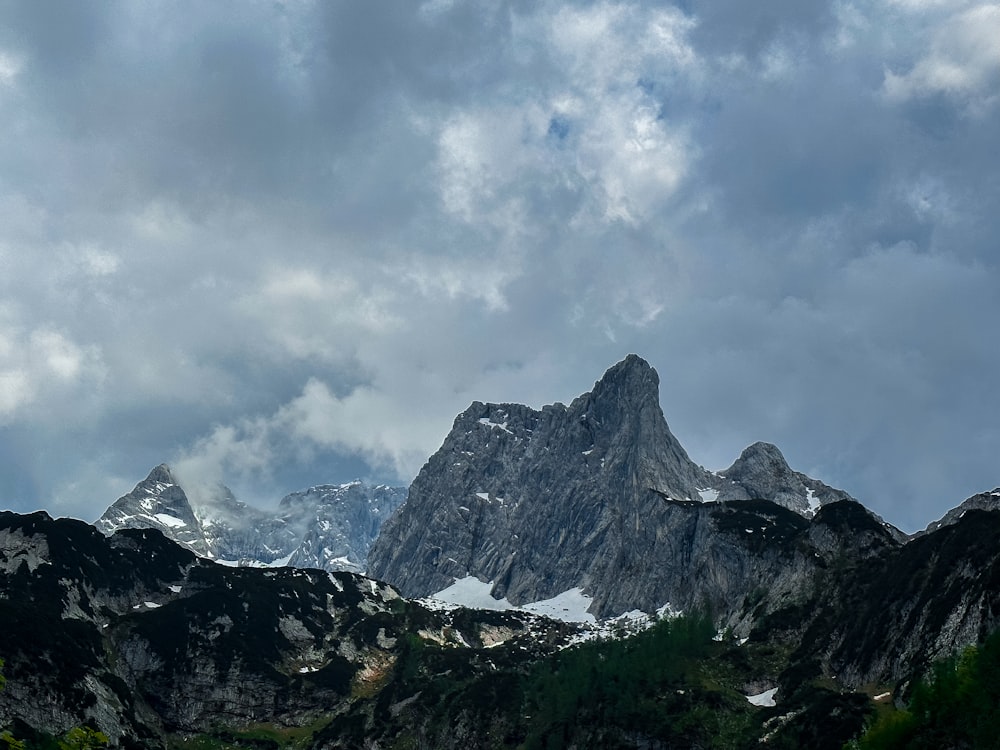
{"x": 287, "y": 245}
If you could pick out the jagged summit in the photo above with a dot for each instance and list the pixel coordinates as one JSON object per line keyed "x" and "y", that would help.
{"x": 157, "y": 502}
{"x": 622, "y": 415}
{"x": 631, "y": 381}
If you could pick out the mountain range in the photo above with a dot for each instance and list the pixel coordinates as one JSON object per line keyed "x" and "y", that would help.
{"x": 804, "y": 611}
{"x": 329, "y": 527}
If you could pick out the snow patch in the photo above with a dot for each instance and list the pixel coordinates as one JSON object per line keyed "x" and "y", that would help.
{"x": 472, "y": 593}
{"x": 668, "y": 612}
{"x": 281, "y": 562}
{"x": 708, "y": 495}
{"x": 483, "y": 496}
{"x": 152, "y": 605}
{"x": 814, "y": 504}
{"x": 765, "y": 699}
{"x": 569, "y": 606}
{"x": 175, "y": 589}
{"x": 490, "y": 423}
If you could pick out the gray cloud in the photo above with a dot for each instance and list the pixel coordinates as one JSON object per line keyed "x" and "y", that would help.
{"x": 287, "y": 245}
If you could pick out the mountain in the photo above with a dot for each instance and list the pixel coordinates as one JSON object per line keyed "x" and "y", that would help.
{"x": 329, "y": 527}
{"x": 601, "y": 497}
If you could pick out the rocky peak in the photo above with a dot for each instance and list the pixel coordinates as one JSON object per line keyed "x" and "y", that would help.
{"x": 541, "y": 501}
{"x": 761, "y": 473}
{"x": 157, "y": 502}
{"x": 629, "y": 386}
{"x": 759, "y": 469}
{"x": 623, "y": 418}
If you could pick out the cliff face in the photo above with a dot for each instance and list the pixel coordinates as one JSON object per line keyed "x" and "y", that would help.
{"x": 599, "y": 495}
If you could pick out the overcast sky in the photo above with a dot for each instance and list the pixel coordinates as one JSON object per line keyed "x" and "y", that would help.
{"x": 285, "y": 243}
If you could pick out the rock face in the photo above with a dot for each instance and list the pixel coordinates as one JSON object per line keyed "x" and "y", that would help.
{"x": 599, "y": 495}
{"x": 329, "y": 527}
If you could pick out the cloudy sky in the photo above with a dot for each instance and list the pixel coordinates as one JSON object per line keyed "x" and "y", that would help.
{"x": 285, "y": 243}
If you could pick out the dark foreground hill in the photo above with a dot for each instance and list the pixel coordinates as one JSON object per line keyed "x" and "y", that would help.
{"x": 140, "y": 639}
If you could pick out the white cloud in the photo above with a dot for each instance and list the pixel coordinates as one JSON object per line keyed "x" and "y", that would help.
{"x": 10, "y": 68}
{"x": 388, "y": 431}
{"x": 468, "y": 276}
{"x": 963, "y": 60}
{"x": 313, "y": 314}
{"x": 15, "y": 391}
{"x": 43, "y": 368}
{"x": 394, "y": 434}
{"x": 619, "y": 148}
{"x": 56, "y": 354}
{"x": 240, "y": 450}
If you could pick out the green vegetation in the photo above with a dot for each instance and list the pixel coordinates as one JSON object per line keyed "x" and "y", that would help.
{"x": 670, "y": 686}
{"x": 647, "y": 688}
{"x": 83, "y": 738}
{"x": 957, "y": 706}
{"x": 7, "y": 741}
{"x": 261, "y": 737}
